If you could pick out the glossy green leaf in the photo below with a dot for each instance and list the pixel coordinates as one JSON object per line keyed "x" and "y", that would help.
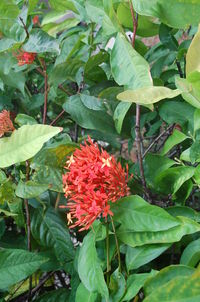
{"x": 8, "y": 10}
{"x": 24, "y": 143}
{"x": 7, "y": 213}
{"x": 83, "y": 294}
{"x": 88, "y": 118}
{"x": 192, "y": 57}
{"x": 128, "y": 67}
{"x": 89, "y": 268}
{"x": 117, "y": 286}
{"x": 134, "y": 283}
{"x": 188, "y": 11}
{"x": 175, "y": 234}
{"x": 39, "y": 42}
{"x": 184, "y": 211}
{"x": 176, "y": 138}
{"x": 170, "y": 181}
{"x": 50, "y": 231}
{"x": 148, "y": 95}
{"x": 134, "y": 213}
{"x": 24, "y": 119}
{"x": 191, "y": 254}
{"x": 16, "y": 265}
{"x": 180, "y": 289}
{"x": 30, "y": 189}
{"x": 165, "y": 275}
{"x": 119, "y": 115}
{"x": 138, "y": 256}
{"x": 189, "y": 93}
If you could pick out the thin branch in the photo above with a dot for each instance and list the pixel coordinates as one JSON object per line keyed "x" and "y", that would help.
{"x": 168, "y": 130}
{"x": 28, "y": 225}
{"x": 57, "y": 118}
{"x": 117, "y": 243}
{"x": 135, "y": 23}
{"x": 25, "y": 28}
{"x": 179, "y": 69}
{"x": 46, "y": 88}
{"x": 137, "y": 123}
{"x": 63, "y": 89}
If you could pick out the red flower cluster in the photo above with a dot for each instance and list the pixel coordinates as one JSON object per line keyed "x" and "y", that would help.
{"x": 93, "y": 179}
{"x": 36, "y": 19}
{"x": 6, "y": 124}
{"x": 24, "y": 57}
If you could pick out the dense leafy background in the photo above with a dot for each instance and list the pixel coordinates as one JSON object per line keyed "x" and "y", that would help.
{"x": 92, "y": 79}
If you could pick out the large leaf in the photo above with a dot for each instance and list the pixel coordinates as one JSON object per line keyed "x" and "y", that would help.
{"x": 89, "y": 267}
{"x": 24, "y": 143}
{"x": 8, "y": 10}
{"x": 138, "y": 256}
{"x": 175, "y": 13}
{"x": 148, "y": 95}
{"x": 180, "y": 289}
{"x": 134, "y": 283}
{"x": 50, "y": 231}
{"x": 175, "y": 234}
{"x": 88, "y": 118}
{"x": 82, "y": 294}
{"x": 117, "y": 286}
{"x": 16, "y": 265}
{"x": 30, "y": 189}
{"x": 176, "y": 138}
{"x": 39, "y": 42}
{"x": 191, "y": 254}
{"x": 165, "y": 275}
{"x": 129, "y": 68}
{"x": 134, "y": 213}
{"x": 192, "y": 57}
{"x": 119, "y": 115}
{"x": 170, "y": 181}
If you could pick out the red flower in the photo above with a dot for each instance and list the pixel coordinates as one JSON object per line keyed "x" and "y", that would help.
{"x": 36, "y": 19}
{"x": 6, "y": 124}
{"x": 93, "y": 179}
{"x": 24, "y": 57}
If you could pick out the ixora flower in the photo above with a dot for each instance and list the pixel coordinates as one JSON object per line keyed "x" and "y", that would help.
{"x": 93, "y": 180}
{"x": 35, "y": 19}
{"x": 6, "y": 124}
{"x": 24, "y": 57}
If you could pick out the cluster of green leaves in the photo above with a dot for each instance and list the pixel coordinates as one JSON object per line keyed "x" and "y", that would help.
{"x": 92, "y": 79}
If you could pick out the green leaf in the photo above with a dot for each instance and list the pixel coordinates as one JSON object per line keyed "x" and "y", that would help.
{"x": 175, "y": 13}
{"x": 189, "y": 93}
{"x": 128, "y": 67}
{"x": 60, "y": 294}
{"x": 196, "y": 120}
{"x": 191, "y": 254}
{"x": 134, "y": 213}
{"x": 24, "y": 143}
{"x": 82, "y": 294}
{"x": 16, "y": 265}
{"x": 10, "y": 80}
{"x": 175, "y": 234}
{"x": 170, "y": 181}
{"x": 148, "y": 95}
{"x": 165, "y": 275}
{"x": 89, "y": 267}
{"x": 138, "y": 256}
{"x": 180, "y": 289}
{"x": 134, "y": 283}
{"x": 40, "y": 42}
{"x": 50, "y": 231}
{"x": 117, "y": 286}
{"x": 175, "y": 138}
{"x": 88, "y": 118}
{"x": 6, "y": 213}
{"x": 24, "y": 119}
{"x": 8, "y": 10}
{"x": 192, "y": 57}
{"x": 195, "y": 152}
{"x": 183, "y": 211}
{"x": 119, "y": 115}
{"x": 154, "y": 164}
{"x": 30, "y": 189}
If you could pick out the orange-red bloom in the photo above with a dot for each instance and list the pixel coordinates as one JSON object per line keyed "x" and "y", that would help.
{"x": 24, "y": 57}
{"x": 93, "y": 179}
{"x": 35, "y": 19}
{"x": 6, "y": 124}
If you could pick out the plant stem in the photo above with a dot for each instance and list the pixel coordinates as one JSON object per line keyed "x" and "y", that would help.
{"x": 28, "y": 225}
{"x": 45, "y": 94}
{"x": 107, "y": 253}
{"x": 117, "y": 243}
{"x": 57, "y": 117}
{"x": 25, "y": 28}
{"x": 135, "y": 23}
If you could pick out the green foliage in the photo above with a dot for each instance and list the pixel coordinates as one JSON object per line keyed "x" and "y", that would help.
{"x": 126, "y": 73}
